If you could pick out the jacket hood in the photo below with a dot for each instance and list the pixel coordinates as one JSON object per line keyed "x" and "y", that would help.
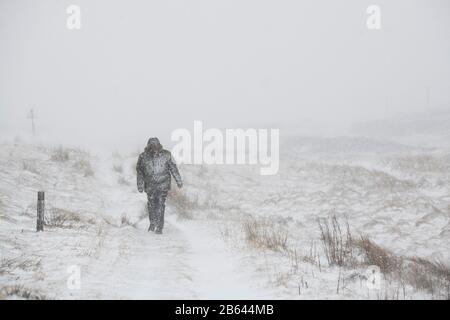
{"x": 153, "y": 145}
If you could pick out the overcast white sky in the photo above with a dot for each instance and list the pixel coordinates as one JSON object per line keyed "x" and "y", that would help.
{"x": 143, "y": 68}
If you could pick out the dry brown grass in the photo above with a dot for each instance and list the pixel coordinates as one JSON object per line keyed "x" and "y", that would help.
{"x": 60, "y": 154}
{"x": 62, "y": 218}
{"x": 374, "y": 254}
{"x": 431, "y": 276}
{"x": 79, "y": 157}
{"x": 337, "y": 243}
{"x": 183, "y": 204}
{"x": 263, "y": 234}
{"x": 343, "y": 250}
{"x": 19, "y": 291}
{"x": 8, "y": 265}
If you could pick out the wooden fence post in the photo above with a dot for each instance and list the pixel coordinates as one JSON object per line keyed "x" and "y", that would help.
{"x": 40, "y": 211}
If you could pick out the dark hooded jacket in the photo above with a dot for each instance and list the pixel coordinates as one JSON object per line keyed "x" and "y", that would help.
{"x": 155, "y": 167}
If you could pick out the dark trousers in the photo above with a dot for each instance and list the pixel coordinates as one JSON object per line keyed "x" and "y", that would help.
{"x": 156, "y": 204}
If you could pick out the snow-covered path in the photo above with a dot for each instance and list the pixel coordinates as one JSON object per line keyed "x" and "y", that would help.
{"x": 189, "y": 261}
{"x": 183, "y": 263}
{"x": 217, "y": 273}
{"x": 135, "y": 264}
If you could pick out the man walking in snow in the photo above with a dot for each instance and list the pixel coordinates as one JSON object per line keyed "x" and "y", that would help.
{"x": 154, "y": 168}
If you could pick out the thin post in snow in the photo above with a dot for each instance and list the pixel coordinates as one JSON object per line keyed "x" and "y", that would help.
{"x": 40, "y": 211}
{"x": 32, "y": 116}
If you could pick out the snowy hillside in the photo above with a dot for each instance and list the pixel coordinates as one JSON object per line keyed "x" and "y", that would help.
{"x": 424, "y": 129}
{"x": 230, "y": 233}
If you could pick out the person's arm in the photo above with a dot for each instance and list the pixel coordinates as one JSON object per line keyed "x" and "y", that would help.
{"x": 174, "y": 171}
{"x": 140, "y": 175}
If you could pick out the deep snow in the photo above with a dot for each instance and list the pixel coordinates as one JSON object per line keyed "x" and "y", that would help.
{"x": 398, "y": 195}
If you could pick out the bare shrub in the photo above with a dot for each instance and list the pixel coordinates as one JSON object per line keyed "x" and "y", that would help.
{"x": 337, "y": 244}
{"x": 84, "y": 167}
{"x": 60, "y": 154}
{"x": 262, "y": 234}
{"x": 19, "y": 291}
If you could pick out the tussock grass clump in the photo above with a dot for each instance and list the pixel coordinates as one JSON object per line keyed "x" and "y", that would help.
{"x": 60, "y": 154}
{"x": 8, "y": 265}
{"x": 62, "y": 218}
{"x": 79, "y": 157}
{"x": 19, "y": 291}
{"x": 183, "y": 204}
{"x": 431, "y": 276}
{"x": 342, "y": 249}
{"x": 337, "y": 243}
{"x": 84, "y": 167}
{"x": 374, "y": 254}
{"x": 262, "y": 234}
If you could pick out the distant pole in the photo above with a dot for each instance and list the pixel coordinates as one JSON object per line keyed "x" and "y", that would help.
{"x": 32, "y": 116}
{"x": 40, "y": 211}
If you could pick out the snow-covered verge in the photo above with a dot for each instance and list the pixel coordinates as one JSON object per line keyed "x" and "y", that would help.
{"x": 230, "y": 233}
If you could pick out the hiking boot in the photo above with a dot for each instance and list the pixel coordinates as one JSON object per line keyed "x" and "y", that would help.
{"x": 158, "y": 231}
{"x": 152, "y": 227}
